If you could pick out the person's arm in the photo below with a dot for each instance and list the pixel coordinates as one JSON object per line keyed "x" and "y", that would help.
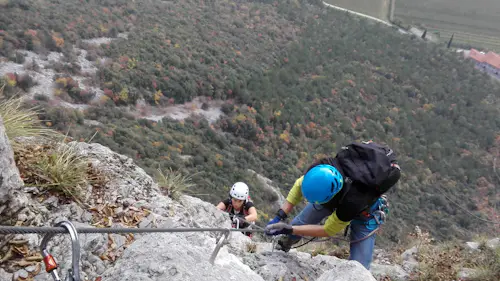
{"x": 332, "y": 226}
{"x": 294, "y": 196}
{"x": 287, "y": 207}
{"x": 221, "y": 206}
{"x": 310, "y": 230}
{"x": 252, "y": 216}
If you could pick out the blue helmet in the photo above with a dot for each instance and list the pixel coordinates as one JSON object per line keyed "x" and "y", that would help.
{"x": 321, "y": 183}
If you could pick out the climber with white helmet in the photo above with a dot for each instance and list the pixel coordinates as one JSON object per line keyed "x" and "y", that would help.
{"x": 241, "y": 210}
{"x": 347, "y": 189}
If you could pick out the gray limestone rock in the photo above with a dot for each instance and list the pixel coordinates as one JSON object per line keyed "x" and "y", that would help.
{"x": 394, "y": 272}
{"x": 493, "y": 243}
{"x": 347, "y": 271}
{"x": 177, "y": 256}
{"x": 12, "y": 198}
{"x": 5, "y": 276}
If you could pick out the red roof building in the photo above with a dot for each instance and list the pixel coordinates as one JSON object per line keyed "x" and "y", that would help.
{"x": 493, "y": 59}
{"x": 489, "y": 62}
{"x": 490, "y": 58}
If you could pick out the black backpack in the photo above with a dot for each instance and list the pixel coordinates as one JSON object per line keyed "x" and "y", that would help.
{"x": 370, "y": 164}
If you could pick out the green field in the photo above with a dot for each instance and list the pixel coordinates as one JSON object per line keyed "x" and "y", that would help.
{"x": 475, "y": 23}
{"x": 375, "y": 8}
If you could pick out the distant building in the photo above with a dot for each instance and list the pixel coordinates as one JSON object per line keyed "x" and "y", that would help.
{"x": 489, "y": 62}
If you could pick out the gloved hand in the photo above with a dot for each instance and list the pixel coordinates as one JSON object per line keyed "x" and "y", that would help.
{"x": 278, "y": 228}
{"x": 279, "y": 217}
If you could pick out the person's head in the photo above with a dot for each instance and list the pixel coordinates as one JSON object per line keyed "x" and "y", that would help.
{"x": 239, "y": 194}
{"x": 321, "y": 183}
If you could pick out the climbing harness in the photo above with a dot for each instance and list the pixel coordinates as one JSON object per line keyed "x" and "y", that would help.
{"x": 49, "y": 261}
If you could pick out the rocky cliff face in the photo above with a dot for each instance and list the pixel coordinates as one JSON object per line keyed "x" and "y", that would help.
{"x": 12, "y": 200}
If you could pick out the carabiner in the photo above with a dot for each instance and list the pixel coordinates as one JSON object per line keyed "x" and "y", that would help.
{"x": 382, "y": 217}
{"x": 49, "y": 261}
{"x": 237, "y": 222}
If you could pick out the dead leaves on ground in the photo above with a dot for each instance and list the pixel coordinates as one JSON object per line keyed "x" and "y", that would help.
{"x": 114, "y": 251}
{"x": 18, "y": 255}
{"x": 26, "y": 157}
{"x": 106, "y": 215}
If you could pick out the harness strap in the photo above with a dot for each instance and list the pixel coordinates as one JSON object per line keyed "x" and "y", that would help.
{"x": 230, "y": 208}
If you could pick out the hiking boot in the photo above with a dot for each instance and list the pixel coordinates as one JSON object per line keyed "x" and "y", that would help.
{"x": 284, "y": 244}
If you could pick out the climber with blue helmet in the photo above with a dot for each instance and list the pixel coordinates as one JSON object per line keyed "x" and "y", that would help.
{"x": 343, "y": 200}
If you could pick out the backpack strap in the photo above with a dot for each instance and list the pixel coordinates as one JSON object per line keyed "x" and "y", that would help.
{"x": 345, "y": 188}
{"x": 245, "y": 209}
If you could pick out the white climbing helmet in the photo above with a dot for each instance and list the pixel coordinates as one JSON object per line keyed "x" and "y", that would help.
{"x": 239, "y": 191}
